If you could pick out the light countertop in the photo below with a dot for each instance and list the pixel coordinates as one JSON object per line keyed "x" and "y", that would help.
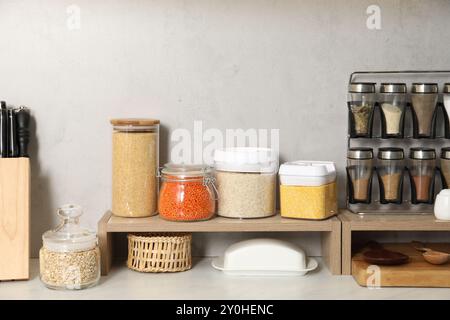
{"x": 204, "y": 282}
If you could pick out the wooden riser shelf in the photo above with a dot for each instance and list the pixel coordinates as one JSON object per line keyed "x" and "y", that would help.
{"x": 382, "y": 222}
{"x": 330, "y": 230}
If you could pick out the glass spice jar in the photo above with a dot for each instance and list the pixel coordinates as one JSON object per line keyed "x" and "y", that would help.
{"x": 361, "y": 104}
{"x": 446, "y": 104}
{"x": 424, "y": 98}
{"x": 445, "y": 167}
{"x": 187, "y": 193}
{"x": 390, "y": 171}
{"x": 359, "y": 175}
{"x": 422, "y": 169}
{"x": 392, "y": 106}
{"x": 69, "y": 257}
{"x": 135, "y": 166}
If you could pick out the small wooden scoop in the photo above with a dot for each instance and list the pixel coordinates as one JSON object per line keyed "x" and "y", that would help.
{"x": 380, "y": 256}
{"x": 430, "y": 255}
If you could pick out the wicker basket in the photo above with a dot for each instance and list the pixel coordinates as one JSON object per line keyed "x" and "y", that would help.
{"x": 166, "y": 252}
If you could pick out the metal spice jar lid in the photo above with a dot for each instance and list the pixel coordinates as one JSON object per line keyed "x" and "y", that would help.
{"x": 422, "y": 153}
{"x": 393, "y": 87}
{"x": 445, "y": 153}
{"x": 361, "y": 87}
{"x": 447, "y": 88}
{"x": 391, "y": 154}
{"x": 424, "y": 88}
{"x": 360, "y": 153}
{"x": 69, "y": 236}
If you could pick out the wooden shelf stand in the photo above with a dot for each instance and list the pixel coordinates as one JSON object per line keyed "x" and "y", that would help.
{"x": 330, "y": 230}
{"x": 382, "y": 222}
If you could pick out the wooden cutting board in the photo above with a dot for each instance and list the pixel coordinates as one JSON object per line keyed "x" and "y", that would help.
{"x": 416, "y": 273}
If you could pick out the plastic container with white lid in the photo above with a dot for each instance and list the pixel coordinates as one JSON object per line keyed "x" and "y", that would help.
{"x": 246, "y": 159}
{"x": 307, "y": 173}
{"x": 70, "y": 257}
{"x": 308, "y": 190}
{"x": 246, "y": 182}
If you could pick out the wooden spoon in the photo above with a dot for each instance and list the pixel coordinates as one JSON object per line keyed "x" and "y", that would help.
{"x": 430, "y": 255}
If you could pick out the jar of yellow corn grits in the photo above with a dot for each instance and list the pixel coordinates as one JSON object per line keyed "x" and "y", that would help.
{"x": 308, "y": 190}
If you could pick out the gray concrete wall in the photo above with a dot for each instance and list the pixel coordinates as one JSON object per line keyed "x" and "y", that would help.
{"x": 233, "y": 64}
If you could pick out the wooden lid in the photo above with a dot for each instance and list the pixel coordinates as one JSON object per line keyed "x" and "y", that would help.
{"x": 138, "y": 122}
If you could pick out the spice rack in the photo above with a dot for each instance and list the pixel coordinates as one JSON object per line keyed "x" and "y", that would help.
{"x": 377, "y": 139}
{"x": 330, "y": 230}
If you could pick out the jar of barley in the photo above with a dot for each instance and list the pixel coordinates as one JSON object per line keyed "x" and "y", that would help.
{"x": 135, "y": 167}
{"x": 69, "y": 257}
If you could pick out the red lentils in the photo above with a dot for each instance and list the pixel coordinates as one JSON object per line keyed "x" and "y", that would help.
{"x": 184, "y": 198}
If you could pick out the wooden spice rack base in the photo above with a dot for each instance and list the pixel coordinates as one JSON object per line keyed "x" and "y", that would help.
{"x": 330, "y": 230}
{"x": 354, "y": 223}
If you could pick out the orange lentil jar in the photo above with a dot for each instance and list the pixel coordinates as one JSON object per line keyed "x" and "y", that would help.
{"x": 187, "y": 193}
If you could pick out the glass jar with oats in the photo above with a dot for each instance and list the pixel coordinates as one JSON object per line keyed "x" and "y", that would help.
{"x": 135, "y": 166}
{"x": 246, "y": 182}
{"x": 70, "y": 257}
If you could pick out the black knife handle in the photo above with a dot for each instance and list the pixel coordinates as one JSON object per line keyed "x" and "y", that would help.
{"x": 23, "y": 130}
{"x": 13, "y": 148}
{"x": 3, "y": 130}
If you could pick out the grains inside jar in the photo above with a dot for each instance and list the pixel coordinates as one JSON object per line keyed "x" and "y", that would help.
{"x": 74, "y": 270}
{"x": 186, "y": 201}
{"x": 135, "y": 164}
{"x": 246, "y": 195}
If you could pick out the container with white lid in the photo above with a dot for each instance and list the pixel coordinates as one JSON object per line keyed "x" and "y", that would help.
{"x": 246, "y": 159}
{"x": 308, "y": 189}
{"x": 246, "y": 182}
{"x": 70, "y": 257}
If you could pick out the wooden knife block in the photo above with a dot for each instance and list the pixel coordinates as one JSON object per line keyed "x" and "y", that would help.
{"x": 14, "y": 218}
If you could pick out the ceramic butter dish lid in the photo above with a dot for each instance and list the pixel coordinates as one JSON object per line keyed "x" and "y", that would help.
{"x": 264, "y": 257}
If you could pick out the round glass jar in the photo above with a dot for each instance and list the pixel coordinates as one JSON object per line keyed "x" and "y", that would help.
{"x": 187, "y": 193}
{"x": 445, "y": 167}
{"x": 69, "y": 257}
{"x": 446, "y": 104}
{"x": 361, "y": 104}
{"x": 134, "y": 167}
{"x": 246, "y": 182}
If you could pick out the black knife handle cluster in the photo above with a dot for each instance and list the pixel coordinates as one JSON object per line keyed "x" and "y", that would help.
{"x": 14, "y": 131}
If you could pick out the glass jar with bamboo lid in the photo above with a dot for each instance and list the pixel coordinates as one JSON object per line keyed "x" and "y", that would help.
{"x": 135, "y": 166}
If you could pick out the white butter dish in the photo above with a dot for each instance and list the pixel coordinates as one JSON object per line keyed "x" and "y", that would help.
{"x": 264, "y": 257}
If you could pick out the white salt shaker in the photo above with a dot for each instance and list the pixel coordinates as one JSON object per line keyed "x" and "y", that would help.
{"x": 442, "y": 205}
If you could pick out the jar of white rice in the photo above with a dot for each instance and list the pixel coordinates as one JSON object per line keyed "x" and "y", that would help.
{"x": 246, "y": 182}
